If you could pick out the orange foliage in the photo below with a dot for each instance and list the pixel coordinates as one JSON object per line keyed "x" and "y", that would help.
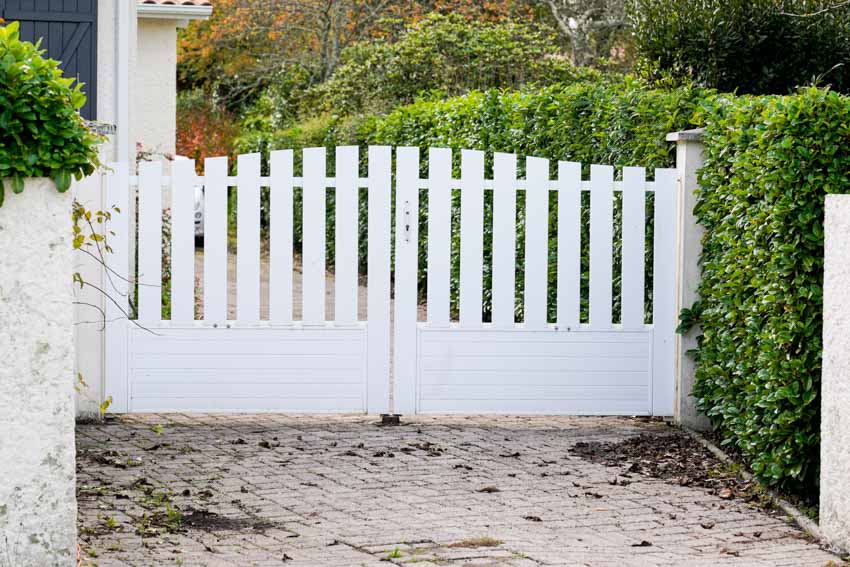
{"x": 204, "y": 131}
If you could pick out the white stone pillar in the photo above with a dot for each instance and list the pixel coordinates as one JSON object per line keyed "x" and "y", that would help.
{"x": 689, "y": 158}
{"x": 38, "y": 507}
{"x": 835, "y": 376}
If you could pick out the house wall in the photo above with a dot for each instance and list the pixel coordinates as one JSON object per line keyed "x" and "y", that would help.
{"x": 156, "y": 85}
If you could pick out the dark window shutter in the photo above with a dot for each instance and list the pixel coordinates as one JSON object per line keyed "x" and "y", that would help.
{"x": 68, "y": 32}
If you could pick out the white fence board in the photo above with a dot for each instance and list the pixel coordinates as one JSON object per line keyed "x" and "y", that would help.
{"x": 313, "y": 227}
{"x": 569, "y": 245}
{"x": 248, "y": 238}
{"x": 471, "y": 236}
{"x": 183, "y": 240}
{"x": 215, "y": 240}
{"x": 504, "y": 239}
{"x": 345, "y": 265}
{"x": 378, "y": 264}
{"x": 280, "y": 235}
{"x": 634, "y": 247}
{"x": 406, "y": 279}
{"x": 664, "y": 292}
{"x": 601, "y": 245}
{"x": 150, "y": 241}
{"x": 118, "y": 275}
{"x": 536, "y": 242}
{"x": 439, "y": 234}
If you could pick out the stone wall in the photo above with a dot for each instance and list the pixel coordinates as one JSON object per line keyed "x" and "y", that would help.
{"x": 835, "y": 385}
{"x": 37, "y": 471}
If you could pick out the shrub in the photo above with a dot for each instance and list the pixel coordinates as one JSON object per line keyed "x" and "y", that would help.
{"x": 41, "y": 131}
{"x": 203, "y": 130}
{"x": 442, "y": 56}
{"x": 752, "y": 46}
{"x": 769, "y": 163}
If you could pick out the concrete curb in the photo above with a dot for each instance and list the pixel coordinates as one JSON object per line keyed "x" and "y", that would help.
{"x": 805, "y": 523}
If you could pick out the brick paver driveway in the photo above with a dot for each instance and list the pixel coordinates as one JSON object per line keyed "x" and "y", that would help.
{"x": 287, "y": 490}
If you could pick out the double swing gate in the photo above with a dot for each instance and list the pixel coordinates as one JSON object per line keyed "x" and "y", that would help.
{"x": 501, "y": 291}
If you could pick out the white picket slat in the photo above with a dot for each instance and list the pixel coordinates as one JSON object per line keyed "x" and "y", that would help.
{"x": 569, "y": 245}
{"x": 345, "y": 266}
{"x": 536, "y": 242}
{"x": 215, "y": 240}
{"x": 439, "y": 234}
{"x": 471, "y": 236}
{"x": 183, "y": 240}
{"x": 664, "y": 292}
{"x": 118, "y": 277}
{"x": 313, "y": 227}
{"x": 378, "y": 294}
{"x": 633, "y": 247}
{"x": 406, "y": 279}
{"x": 150, "y": 241}
{"x": 601, "y": 245}
{"x": 280, "y": 236}
{"x": 248, "y": 237}
{"x": 504, "y": 239}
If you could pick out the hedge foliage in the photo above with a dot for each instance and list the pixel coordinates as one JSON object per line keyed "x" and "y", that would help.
{"x": 620, "y": 123}
{"x": 745, "y": 46}
{"x": 41, "y": 132}
{"x": 770, "y": 161}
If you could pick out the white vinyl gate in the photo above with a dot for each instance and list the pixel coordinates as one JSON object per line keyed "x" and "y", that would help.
{"x": 554, "y": 359}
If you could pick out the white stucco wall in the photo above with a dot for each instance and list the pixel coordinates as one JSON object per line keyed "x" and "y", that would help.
{"x": 37, "y": 472}
{"x": 156, "y": 85}
{"x": 835, "y": 377}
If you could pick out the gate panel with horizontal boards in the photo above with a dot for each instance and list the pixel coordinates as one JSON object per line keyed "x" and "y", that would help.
{"x": 514, "y": 291}
{"x": 561, "y": 325}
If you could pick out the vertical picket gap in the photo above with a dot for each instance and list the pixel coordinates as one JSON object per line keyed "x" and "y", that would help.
{"x": 601, "y": 245}
{"x": 504, "y": 239}
{"x": 471, "y": 237}
{"x": 378, "y": 328}
{"x": 569, "y": 244}
{"x": 182, "y": 241}
{"x": 280, "y": 236}
{"x": 664, "y": 293}
{"x": 536, "y": 242}
{"x": 346, "y": 234}
{"x": 313, "y": 227}
{"x": 406, "y": 278}
{"x": 248, "y": 238}
{"x": 649, "y": 255}
{"x": 454, "y": 257}
{"x": 439, "y": 235}
{"x": 150, "y": 241}
{"x": 215, "y": 239}
{"x": 633, "y": 247}
{"x": 552, "y": 259}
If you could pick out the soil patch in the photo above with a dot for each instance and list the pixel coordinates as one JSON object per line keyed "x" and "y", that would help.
{"x": 210, "y": 521}
{"x": 674, "y": 457}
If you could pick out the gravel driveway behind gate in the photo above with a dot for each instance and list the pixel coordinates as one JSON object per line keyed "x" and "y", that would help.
{"x": 246, "y": 490}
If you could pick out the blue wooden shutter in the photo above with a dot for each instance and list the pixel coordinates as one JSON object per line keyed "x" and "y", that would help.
{"x": 68, "y": 31}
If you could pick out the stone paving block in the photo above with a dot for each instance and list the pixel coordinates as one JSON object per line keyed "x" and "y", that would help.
{"x": 313, "y": 503}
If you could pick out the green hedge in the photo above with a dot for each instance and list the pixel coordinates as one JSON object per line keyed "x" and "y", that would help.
{"x": 769, "y": 163}
{"x": 620, "y": 123}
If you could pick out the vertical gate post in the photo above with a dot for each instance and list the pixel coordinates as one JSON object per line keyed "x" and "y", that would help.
{"x": 835, "y": 377}
{"x": 689, "y": 158}
{"x": 38, "y": 509}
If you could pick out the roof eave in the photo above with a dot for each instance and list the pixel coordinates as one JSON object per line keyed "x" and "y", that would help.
{"x": 173, "y": 12}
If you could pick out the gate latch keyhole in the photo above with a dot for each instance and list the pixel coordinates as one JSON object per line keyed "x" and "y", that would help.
{"x": 407, "y": 221}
